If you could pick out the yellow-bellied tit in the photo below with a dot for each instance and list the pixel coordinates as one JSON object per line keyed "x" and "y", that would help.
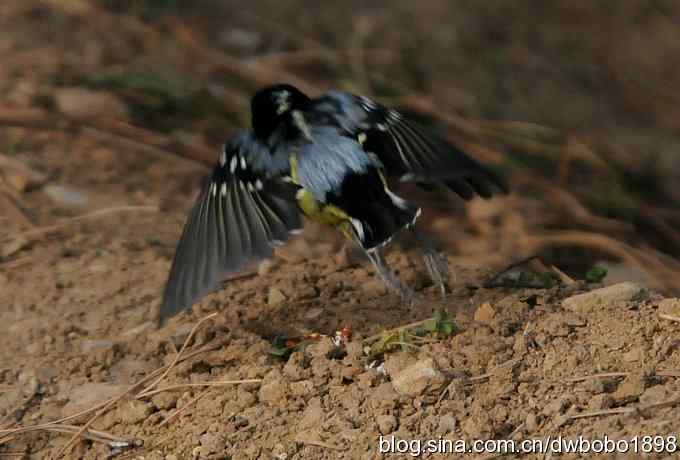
{"x": 327, "y": 158}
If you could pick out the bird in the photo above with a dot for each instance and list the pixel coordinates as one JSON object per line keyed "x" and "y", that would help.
{"x": 330, "y": 159}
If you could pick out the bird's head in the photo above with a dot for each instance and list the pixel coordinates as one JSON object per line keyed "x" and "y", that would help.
{"x": 273, "y": 104}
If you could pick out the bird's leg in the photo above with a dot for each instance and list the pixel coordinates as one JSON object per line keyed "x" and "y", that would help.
{"x": 388, "y": 277}
{"x": 436, "y": 264}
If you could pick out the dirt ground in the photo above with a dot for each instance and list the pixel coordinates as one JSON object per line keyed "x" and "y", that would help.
{"x": 307, "y": 356}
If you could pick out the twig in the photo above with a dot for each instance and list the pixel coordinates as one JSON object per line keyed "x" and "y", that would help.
{"x": 628, "y": 410}
{"x": 658, "y": 373}
{"x": 669, "y": 317}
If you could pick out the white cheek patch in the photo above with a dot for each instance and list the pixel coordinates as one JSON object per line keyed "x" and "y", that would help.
{"x": 223, "y": 158}
{"x": 243, "y": 163}
{"x": 232, "y": 164}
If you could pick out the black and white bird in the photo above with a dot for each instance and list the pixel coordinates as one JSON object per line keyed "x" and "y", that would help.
{"x": 329, "y": 159}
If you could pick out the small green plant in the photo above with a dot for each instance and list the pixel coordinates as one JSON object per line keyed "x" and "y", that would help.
{"x": 440, "y": 326}
{"x": 596, "y": 274}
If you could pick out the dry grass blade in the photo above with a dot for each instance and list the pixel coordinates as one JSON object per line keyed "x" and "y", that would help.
{"x": 189, "y": 403}
{"x": 101, "y": 411}
{"x": 104, "y": 406}
{"x": 143, "y": 393}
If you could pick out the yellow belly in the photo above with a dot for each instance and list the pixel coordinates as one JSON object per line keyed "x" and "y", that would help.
{"x": 322, "y": 213}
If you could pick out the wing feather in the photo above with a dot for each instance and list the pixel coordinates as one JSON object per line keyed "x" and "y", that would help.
{"x": 238, "y": 217}
{"x": 408, "y": 150}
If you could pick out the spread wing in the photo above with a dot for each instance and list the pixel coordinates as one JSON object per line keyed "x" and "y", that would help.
{"x": 240, "y": 215}
{"x": 408, "y": 150}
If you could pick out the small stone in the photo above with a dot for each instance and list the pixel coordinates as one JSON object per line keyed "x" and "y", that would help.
{"x": 386, "y": 423}
{"x": 484, "y": 313}
{"x": 275, "y": 296}
{"x": 313, "y": 414}
{"x": 670, "y": 307}
{"x": 557, "y": 406}
{"x": 84, "y": 103}
{"x": 211, "y": 443}
{"x": 603, "y": 298}
{"x": 478, "y": 427}
{"x": 630, "y": 389}
{"x": 134, "y": 412}
{"x": 531, "y": 422}
{"x": 447, "y": 424}
{"x": 295, "y": 366}
{"x": 594, "y": 386}
{"x": 601, "y": 401}
{"x": 90, "y": 394}
{"x": 320, "y": 349}
{"x": 574, "y": 321}
{"x": 66, "y": 196}
{"x": 417, "y": 378}
{"x": 244, "y": 398}
{"x": 374, "y": 287}
{"x": 655, "y": 394}
{"x": 273, "y": 392}
{"x": 633, "y": 355}
{"x": 302, "y": 388}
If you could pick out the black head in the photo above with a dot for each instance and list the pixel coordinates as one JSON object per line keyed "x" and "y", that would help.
{"x": 273, "y": 104}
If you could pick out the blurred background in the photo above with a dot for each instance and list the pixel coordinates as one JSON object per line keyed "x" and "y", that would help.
{"x": 108, "y": 103}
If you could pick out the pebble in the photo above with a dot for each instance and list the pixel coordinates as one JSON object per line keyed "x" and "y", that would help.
{"x": 417, "y": 378}
{"x": 85, "y": 103}
{"x": 631, "y": 388}
{"x": 275, "y": 296}
{"x": 386, "y": 423}
{"x": 485, "y": 313}
{"x": 273, "y": 392}
{"x": 89, "y": 394}
{"x": 670, "y": 307}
